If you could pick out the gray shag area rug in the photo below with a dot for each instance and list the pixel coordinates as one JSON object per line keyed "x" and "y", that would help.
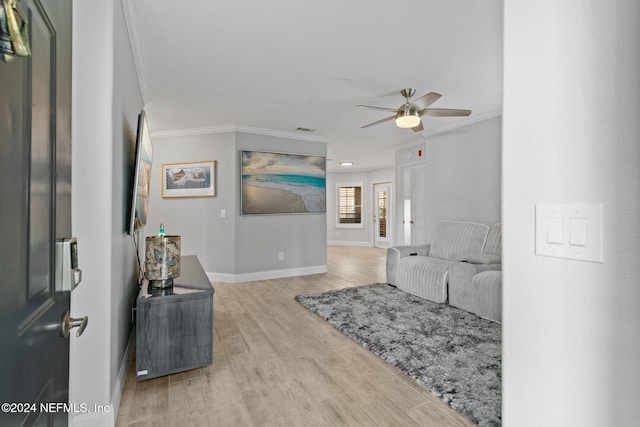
{"x": 452, "y": 353}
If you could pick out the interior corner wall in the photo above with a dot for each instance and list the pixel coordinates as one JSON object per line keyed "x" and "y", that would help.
{"x": 571, "y": 135}
{"x": 354, "y": 236}
{"x": 302, "y": 238}
{"x": 235, "y": 247}
{"x": 463, "y": 174}
{"x": 198, "y": 220}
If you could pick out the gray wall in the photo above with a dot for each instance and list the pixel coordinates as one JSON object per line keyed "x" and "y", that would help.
{"x": 197, "y": 219}
{"x": 354, "y": 236}
{"x": 463, "y": 169}
{"x": 571, "y": 135}
{"x": 127, "y": 103}
{"x": 259, "y": 238}
{"x": 236, "y": 248}
{"x": 462, "y": 175}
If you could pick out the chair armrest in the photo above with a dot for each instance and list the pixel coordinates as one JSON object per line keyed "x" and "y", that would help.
{"x": 480, "y": 259}
{"x": 421, "y": 250}
{"x": 394, "y": 254}
{"x": 462, "y": 272}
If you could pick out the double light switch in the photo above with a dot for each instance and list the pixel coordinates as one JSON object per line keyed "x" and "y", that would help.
{"x": 569, "y": 231}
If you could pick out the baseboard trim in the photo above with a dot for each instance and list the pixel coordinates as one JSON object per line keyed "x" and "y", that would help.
{"x": 266, "y": 275}
{"x": 106, "y": 416}
{"x": 118, "y": 387}
{"x": 348, "y": 243}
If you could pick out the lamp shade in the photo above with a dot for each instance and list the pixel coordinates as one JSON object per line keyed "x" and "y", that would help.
{"x": 407, "y": 117}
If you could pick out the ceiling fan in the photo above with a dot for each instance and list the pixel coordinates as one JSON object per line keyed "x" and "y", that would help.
{"x": 408, "y": 115}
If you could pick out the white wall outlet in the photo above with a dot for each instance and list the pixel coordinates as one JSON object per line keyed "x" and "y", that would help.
{"x": 223, "y": 213}
{"x": 280, "y": 256}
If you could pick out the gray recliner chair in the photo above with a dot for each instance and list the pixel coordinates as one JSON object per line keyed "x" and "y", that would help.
{"x": 462, "y": 266}
{"x": 475, "y": 283}
{"x": 425, "y": 270}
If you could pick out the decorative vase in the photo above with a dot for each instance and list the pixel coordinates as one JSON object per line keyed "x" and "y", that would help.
{"x": 162, "y": 260}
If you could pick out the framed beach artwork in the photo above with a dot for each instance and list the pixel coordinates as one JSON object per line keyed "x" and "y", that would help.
{"x": 190, "y": 179}
{"x": 277, "y": 183}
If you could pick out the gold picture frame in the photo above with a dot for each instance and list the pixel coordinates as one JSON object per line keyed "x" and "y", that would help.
{"x": 189, "y": 179}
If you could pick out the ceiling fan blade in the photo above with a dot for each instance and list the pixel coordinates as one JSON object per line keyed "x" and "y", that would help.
{"x": 425, "y": 100}
{"x": 418, "y": 128}
{"x": 377, "y": 108}
{"x": 444, "y": 112}
{"x": 379, "y": 121}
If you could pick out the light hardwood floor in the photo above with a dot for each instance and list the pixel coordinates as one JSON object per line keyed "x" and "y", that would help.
{"x": 276, "y": 363}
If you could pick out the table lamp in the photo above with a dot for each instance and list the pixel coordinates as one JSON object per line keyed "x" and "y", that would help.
{"x": 162, "y": 259}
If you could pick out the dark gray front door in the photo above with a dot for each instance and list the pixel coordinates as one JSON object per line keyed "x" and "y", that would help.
{"x": 35, "y": 212}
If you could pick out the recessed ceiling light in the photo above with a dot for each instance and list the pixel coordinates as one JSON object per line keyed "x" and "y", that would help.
{"x": 346, "y": 163}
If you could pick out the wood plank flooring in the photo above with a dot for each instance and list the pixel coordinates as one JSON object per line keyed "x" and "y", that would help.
{"x": 277, "y": 364}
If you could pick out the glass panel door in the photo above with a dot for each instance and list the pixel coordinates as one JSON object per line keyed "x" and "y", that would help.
{"x": 382, "y": 211}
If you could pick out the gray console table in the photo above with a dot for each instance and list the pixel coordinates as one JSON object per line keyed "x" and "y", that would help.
{"x": 174, "y": 326}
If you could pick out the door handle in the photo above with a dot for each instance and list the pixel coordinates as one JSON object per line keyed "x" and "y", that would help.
{"x": 69, "y": 323}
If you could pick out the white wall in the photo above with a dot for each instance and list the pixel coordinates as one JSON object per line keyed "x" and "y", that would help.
{"x": 92, "y": 199}
{"x": 571, "y": 135}
{"x": 106, "y": 101}
{"x": 354, "y": 236}
{"x": 463, "y": 174}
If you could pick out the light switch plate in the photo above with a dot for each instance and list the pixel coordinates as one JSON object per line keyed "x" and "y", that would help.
{"x": 570, "y": 231}
{"x": 578, "y": 231}
{"x": 555, "y": 231}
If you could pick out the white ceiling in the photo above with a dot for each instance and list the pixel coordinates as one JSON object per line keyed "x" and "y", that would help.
{"x": 282, "y": 64}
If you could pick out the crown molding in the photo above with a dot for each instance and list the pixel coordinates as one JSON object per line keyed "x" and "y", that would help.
{"x": 137, "y": 47}
{"x": 234, "y": 128}
{"x": 473, "y": 120}
{"x": 282, "y": 134}
{"x": 193, "y": 131}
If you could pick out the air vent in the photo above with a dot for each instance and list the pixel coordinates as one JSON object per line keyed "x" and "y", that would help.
{"x": 305, "y": 130}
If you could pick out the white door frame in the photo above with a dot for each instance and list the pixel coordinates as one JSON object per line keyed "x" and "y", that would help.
{"x": 382, "y": 242}
{"x": 412, "y": 226}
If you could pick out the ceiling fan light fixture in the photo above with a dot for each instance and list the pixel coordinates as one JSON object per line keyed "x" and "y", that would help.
{"x": 407, "y": 117}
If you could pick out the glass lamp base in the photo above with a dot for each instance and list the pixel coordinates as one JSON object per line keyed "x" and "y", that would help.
{"x": 166, "y": 283}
